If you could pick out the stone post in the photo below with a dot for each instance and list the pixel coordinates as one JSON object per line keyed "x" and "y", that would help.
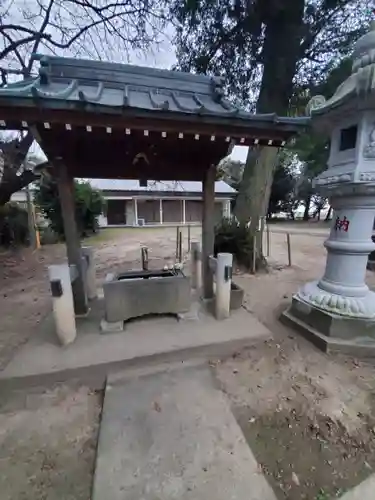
{"x": 223, "y": 276}
{"x": 62, "y": 303}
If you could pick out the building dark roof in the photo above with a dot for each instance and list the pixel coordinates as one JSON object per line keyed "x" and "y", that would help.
{"x": 66, "y": 83}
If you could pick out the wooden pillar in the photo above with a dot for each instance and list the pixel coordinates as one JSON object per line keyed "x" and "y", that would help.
{"x": 65, "y": 184}
{"x": 161, "y": 211}
{"x": 135, "y": 212}
{"x": 208, "y": 234}
{"x": 183, "y": 211}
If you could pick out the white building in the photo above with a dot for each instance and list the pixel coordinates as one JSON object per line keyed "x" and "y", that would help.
{"x": 130, "y": 204}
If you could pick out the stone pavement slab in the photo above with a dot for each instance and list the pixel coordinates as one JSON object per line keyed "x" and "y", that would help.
{"x": 364, "y": 491}
{"x": 172, "y": 436}
{"x": 143, "y": 341}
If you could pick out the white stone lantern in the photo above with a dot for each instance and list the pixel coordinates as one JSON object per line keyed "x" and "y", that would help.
{"x": 337, "y": 312}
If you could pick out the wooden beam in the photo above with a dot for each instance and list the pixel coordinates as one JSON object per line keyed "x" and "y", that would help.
{"x": 208, "y": 232}
{"x": 65, "y": 185}
{"x": 232, "y": 127}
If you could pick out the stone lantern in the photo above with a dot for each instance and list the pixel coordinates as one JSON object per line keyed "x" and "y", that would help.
{"x": 337, "y": 312}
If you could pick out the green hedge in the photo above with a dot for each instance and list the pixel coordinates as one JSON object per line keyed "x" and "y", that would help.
{"x": 14, "y": 228}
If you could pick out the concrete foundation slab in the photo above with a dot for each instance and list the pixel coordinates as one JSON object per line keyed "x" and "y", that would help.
{"x": 143, "y": 341}
{"x": 172, "y": 436}
{"x": 356, "y": 346}
{"x": 334, "y": 325}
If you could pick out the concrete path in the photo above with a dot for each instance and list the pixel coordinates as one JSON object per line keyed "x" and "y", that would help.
{"x": 172, "y": 436}
{"x": 364, "y": 491}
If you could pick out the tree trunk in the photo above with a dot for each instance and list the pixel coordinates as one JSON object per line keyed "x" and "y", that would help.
{"x": 307, "y": 208}
{"x": 252, "y": 199}
{"x": 281, "y": 52}
{"x": 328, "y": 216}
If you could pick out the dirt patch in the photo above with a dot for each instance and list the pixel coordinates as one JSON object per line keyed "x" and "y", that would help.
{"x": 47, "y": 444}
{"x": 308, "y": 416}
{"x": 308, "y": 458}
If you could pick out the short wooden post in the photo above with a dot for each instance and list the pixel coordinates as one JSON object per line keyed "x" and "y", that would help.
{"x": 88, "y": 256}
{"x": 289, "y": 249}
{"x": 254, "y": 255}
{"x": 144, "y": 257}
{"x": 268, "y": 239}
{"x": 31, "y": 220}
{"x": 177, "y": 236}
{"x": 65, "y": 184}
{"x": 208, "y": 231}
{"x": 196, "y": 265}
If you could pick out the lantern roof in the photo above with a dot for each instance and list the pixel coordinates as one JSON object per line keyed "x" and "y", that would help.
{"x": 358, "y": 88}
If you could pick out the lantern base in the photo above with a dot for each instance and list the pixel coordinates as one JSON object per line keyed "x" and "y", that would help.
{"x": 329, "y": 331}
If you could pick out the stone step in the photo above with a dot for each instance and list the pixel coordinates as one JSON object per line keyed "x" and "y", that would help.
{"x": 172, "y": 436}
{"x": 150, "y": 341}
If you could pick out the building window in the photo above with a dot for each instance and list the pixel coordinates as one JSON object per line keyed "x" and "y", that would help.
{"x": 348, "y": 138}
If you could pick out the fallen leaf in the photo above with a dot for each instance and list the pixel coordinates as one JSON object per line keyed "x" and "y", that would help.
{"x": 157, "y": 407}
{"x": 295, "y": 479}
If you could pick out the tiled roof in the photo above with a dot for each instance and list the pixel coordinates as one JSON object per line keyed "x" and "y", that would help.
{"x": 66, "y": 83}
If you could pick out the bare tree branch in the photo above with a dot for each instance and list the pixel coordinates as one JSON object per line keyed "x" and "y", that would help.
{"x": 95, "y": 28}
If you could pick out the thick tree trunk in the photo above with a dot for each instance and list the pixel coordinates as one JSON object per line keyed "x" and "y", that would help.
{"x": 253, "y": 196}
{"x": 281, "y": 52}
